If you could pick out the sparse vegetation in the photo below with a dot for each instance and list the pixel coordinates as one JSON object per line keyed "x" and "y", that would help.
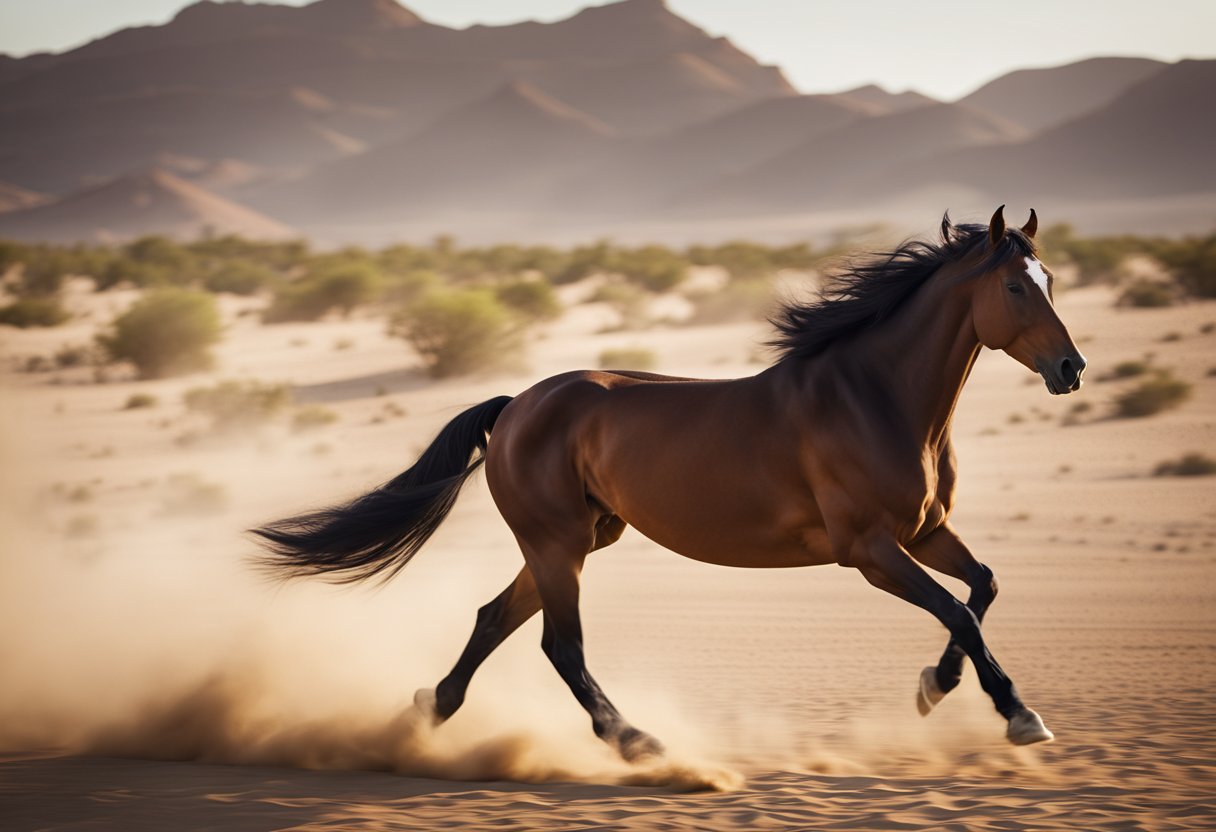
{"x": 312, "y": 417}
{"x": 26, "y": 313}
{"x": 167, "y": 332}
{"x": 1189, "y": 465}
{"x": 189, "y": 495}
{"x": 140, "y": 401}
{"x": 1126, "y": 369}
{"x": 340, "y": 286}
{"x": 1148, "y": 294}
{"x": 739, "y": 300}
{"x": 1154, "y": 395}
{"x": 240, "y": 277}
{"x": 459, "y": 331}
{"x": 532, "y": 299}
{"x": 238, "y": 404}
{"x": 628, "y": 358}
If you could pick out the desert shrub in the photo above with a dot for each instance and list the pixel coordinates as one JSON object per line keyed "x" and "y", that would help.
{"x": 1192, "y": 261}
{"x": 1153, "y": 395}
{"x": 584, "y": 261}
{"x": 76, "y": 355}
{"x": 628, "y": 358}
{"x": 739, "y": 300}
{"x": 399, "y": 288}
{"x": 312, "y": 417}
{"x": 458, "y": 331}
{"x": 140, "y": 401}
{"x": 742, "y": 260}
{"x": 44, "y": 271}
{"x": 1126, "y": 369}
{"x": 656, "y": 268}
{"x": 189, "y": 495}
{"x": 238, "y": 404}
{"x": 629, "y": 301}
{"x": 1189, "y": 465}
{"x": 534, "y": 300}
{"x": 1147, "y": 294}
{"x": 342, "y": 286}
{"x": 239, "y": 277}
{"x": 26, "y": 313}
{"x": 166, "y": 332}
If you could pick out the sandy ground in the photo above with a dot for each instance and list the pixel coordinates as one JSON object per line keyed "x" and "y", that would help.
{"x": 152, "y": 681}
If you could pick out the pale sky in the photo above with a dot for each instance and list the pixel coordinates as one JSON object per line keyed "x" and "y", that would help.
{"x": 941, "y": 47}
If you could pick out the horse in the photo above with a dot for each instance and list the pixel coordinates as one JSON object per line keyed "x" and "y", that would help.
{"x": 840, "y": 452}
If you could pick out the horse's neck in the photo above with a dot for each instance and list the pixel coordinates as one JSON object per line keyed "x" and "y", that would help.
{"x": 926, "y": 351}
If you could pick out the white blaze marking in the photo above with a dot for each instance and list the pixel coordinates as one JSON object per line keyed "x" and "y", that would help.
{"x": 1035, "y": 269}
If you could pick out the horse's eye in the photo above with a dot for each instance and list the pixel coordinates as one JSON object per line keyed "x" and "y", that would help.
{"x": 1014, "y": 288}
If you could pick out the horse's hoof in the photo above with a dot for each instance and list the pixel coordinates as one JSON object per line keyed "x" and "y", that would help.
{"x": 928, "y": 694}
{"x": 634, "y": 745}
{"x": 424, "y": 704}
{"x": 1026, "y": 728}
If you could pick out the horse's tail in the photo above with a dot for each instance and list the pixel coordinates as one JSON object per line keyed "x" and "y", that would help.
{"x": 378, "y": 533}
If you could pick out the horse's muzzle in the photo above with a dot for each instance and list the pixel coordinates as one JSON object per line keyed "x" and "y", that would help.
{"x": 1064, "y": 375}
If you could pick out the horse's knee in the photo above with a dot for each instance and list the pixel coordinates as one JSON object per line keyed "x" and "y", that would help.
{"x": 983, "y": 584}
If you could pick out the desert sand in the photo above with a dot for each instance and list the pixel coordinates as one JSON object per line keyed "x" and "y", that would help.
{"x": 153, "y": 680}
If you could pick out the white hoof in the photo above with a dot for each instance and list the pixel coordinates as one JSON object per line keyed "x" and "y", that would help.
{"x": 424, "y": 704}
{"x": 1027, "y": 728}
{"x": 928, "y": 694}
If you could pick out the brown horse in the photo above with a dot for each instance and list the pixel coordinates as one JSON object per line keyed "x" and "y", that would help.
{"x": 838, "y": 453}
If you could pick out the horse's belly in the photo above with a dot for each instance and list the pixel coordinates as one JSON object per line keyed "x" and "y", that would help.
{"x": 722, "y": 540}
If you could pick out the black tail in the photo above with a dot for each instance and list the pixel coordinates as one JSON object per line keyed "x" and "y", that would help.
{"x": 378, "y": 533}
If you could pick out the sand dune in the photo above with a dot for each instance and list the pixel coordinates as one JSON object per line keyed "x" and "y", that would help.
{"x": 149, "y": 202}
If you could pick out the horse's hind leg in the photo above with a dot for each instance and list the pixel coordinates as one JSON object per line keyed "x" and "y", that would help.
{"x": 495, "y": 621}
{"x": 944, "y": 552}
{"x": 557, "y": 580}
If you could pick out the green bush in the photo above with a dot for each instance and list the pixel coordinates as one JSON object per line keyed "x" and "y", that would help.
{"x": 33, "y": 312}
{"x": 628, "y": 358}
{"x": 1192, "y": 262}
{"x": 1189, "y": 465}
{"x": 1147, "y": 294}
{"x": 656, "y": 268}
{"x": 1154, "y": 395}
{"x": 167, "y": 332}
{"x": 341, "y": 286}
{"x": 458, "y": 331}
{"x": 238, "y": 404}
{"x": 239, "y": 277}
{"x": 534, "y": 300}
{"x": 404, "y": 287}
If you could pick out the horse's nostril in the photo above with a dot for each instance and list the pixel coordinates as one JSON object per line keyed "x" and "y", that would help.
{"x": 1068, "y": 372}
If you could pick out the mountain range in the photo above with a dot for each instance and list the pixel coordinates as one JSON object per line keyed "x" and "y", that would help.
{"x": 357, "y": 120}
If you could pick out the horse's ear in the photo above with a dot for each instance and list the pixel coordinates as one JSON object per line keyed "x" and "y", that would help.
{"x": 996, "y": 226}
{"x": 1032, "y": 225}
{"x": 947, "y": 227}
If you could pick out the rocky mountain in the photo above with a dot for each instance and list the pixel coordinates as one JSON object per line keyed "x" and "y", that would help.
{"x": 1038, "y": 99}
{"x": 343, "y": 116}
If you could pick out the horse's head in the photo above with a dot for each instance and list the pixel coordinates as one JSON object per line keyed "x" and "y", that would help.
{"x": 1013, "y": 311}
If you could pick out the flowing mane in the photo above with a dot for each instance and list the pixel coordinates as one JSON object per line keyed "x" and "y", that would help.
{"x": 866, "y": 292}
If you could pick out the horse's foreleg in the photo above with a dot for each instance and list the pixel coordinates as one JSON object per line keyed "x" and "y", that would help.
{"x": 888, "y": 566}
{"x": 557, "y": 581}
{"x": 495, "y": 621}
{"x": 944, "y": 552}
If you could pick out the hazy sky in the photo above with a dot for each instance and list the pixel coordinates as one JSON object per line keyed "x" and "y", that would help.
{"x": 941, "y": 47}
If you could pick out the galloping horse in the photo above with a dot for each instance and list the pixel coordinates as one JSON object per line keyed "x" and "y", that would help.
{"x": 838, "y": 453}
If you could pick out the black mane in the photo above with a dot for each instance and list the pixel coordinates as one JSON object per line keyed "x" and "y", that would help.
{"x": 868, "y": 291}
